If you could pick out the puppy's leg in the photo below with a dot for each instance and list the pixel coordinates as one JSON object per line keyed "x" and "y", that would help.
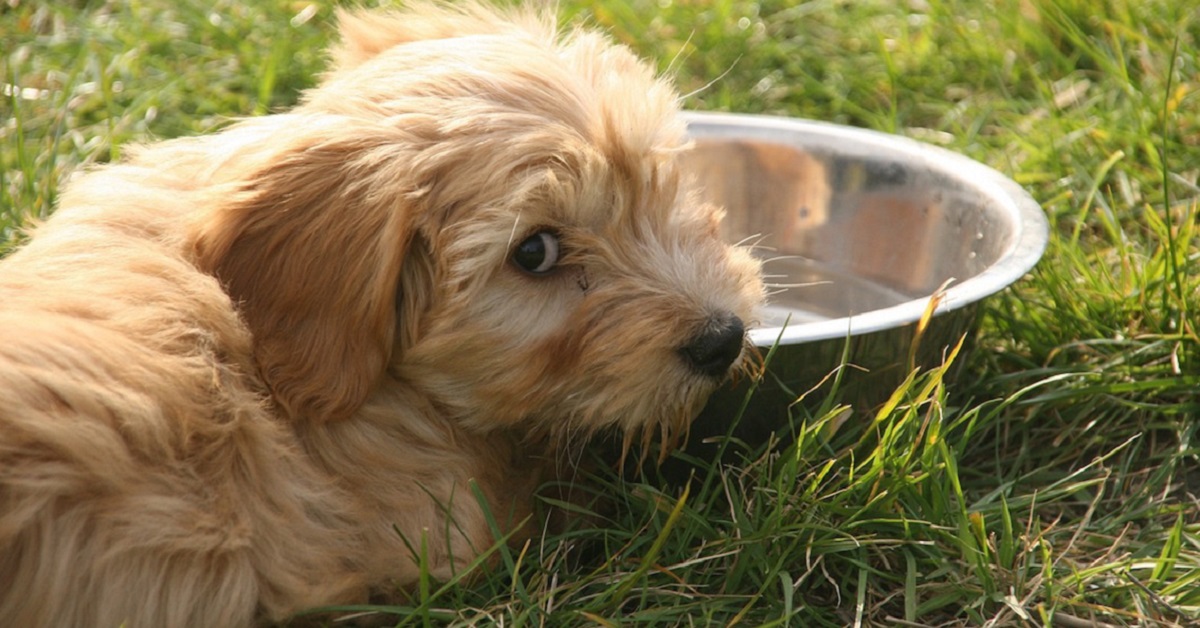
{"x": 75, "y": 550}
{"x": 128, "y": 498}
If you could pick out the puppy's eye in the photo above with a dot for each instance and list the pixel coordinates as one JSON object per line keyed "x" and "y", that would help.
{"x": 537, "y": 254}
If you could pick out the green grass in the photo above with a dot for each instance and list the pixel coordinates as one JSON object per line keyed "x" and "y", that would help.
{"x": 1056, "y": 483}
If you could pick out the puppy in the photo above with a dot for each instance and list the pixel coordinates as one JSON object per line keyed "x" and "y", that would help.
{"x": 243, "y": 374}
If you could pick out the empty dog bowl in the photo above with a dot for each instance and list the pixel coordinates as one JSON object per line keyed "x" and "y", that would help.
{"x": 858, "y": 229}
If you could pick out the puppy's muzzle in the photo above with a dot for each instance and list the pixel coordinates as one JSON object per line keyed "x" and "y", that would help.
{"x": 718, "y": 345}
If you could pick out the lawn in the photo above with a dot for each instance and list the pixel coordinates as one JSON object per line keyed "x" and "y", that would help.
{"x": 1056, "y": 481}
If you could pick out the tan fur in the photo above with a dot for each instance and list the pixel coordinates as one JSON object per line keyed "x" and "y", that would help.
{"x": 236, "y": 370}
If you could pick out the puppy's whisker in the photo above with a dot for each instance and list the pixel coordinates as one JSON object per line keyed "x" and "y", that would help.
{"x": 512, "y": 234}
{"x": 678, "y": 55}
{"x": 752, "y": 241}
{"x": 805, "y": 284}
{"x": 784, "y": 258}
{"x": 719, "y": 78}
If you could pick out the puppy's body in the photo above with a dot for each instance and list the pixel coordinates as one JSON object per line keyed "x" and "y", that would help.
{"x": 242, "y": 374}
{"x": 143, "y": 472}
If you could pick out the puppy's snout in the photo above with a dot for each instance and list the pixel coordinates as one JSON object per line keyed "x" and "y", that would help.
{"x": 712, "y": 351}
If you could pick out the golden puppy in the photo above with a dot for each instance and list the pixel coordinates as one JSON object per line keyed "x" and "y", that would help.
{"x": 240, "y": 372}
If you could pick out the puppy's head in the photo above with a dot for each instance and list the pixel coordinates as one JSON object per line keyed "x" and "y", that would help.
{"x": 490, "y": 212}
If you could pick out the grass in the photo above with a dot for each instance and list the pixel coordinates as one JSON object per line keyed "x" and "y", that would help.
{"x": 1055, "y": 483}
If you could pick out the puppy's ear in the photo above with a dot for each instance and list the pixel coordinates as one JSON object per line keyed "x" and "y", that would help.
{"x": 364, "y": 34}
{"x": 310, "y": 252}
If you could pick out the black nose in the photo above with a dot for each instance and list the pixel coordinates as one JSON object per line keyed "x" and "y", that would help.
{"x": 712, "y": 351}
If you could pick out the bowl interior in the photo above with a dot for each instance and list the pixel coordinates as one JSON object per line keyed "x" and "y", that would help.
{"x": 857, "y": 229}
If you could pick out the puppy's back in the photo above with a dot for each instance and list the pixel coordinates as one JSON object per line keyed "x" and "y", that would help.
{"x": 141, "y": 475}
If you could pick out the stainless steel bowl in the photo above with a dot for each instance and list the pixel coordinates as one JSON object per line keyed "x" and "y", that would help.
{"x": 859, "y": 229}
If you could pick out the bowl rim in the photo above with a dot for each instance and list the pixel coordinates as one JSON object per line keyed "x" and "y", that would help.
{"x": 1031, "y": 233}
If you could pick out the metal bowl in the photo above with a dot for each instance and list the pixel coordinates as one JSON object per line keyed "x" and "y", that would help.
{"x": 858, "y": 229}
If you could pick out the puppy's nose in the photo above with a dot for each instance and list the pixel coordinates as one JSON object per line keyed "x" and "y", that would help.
{"x": 712, "y": 351}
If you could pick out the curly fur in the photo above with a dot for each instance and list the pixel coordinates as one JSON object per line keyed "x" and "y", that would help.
{"x": 238, "y": 371}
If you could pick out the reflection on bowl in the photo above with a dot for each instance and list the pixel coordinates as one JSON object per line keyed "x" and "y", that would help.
{"x": 858, "y": 229}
